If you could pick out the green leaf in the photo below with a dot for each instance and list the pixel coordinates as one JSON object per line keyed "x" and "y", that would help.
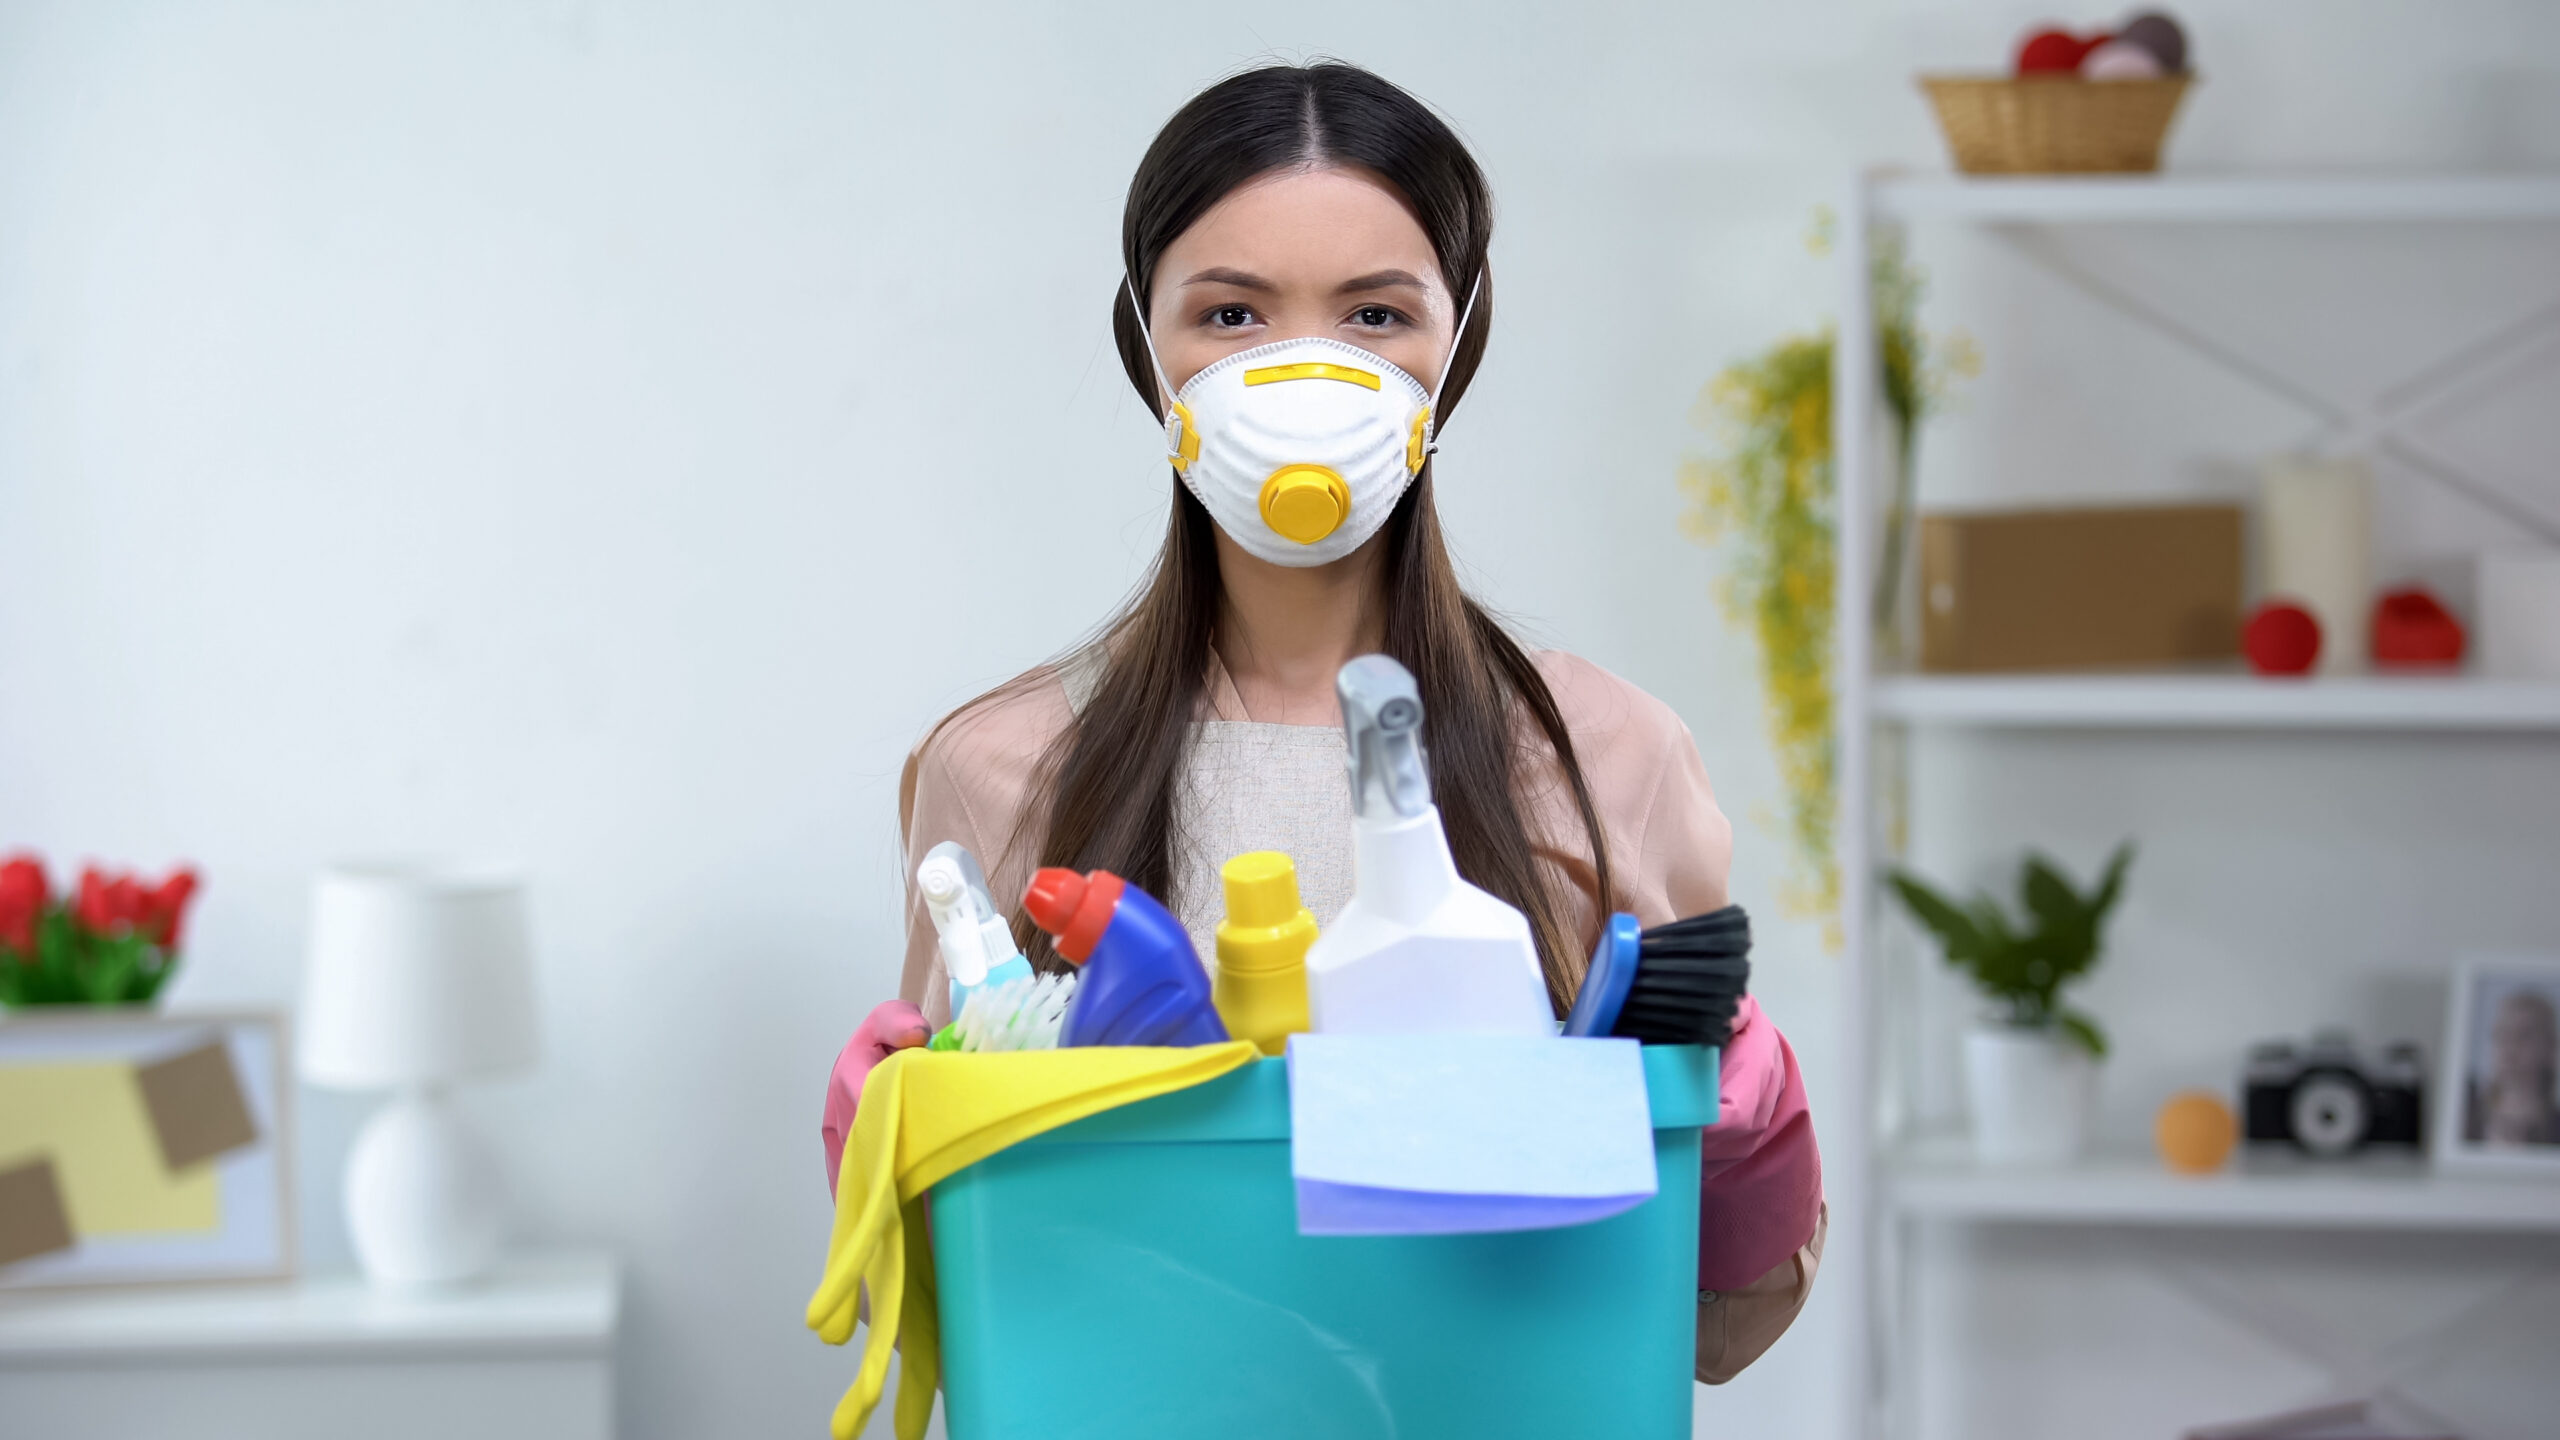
{"x": 2003, "y": 969}
{"x": 1995, "y": 928}
{"x": 2079, "y": 1026}
{"x": 2049, "y": 897}
{"x": 1957, "y": 934}
{"x": 2063, "y": 940}
{"x": 108, "y": 980}
{"x": 2110, "y": 885}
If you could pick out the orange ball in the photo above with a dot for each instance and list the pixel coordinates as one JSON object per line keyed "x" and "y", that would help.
{"x": 2195, "y": 1132}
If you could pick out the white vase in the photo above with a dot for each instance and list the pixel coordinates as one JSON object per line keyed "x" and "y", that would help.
{"x": 2030, "y": 1092}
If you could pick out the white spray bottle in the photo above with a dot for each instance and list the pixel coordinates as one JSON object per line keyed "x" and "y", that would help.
{"x": 1418, "y": 948}
{"x": 977, "y": 947}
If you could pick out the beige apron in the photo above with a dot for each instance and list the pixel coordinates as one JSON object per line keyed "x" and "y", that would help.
{"x": 1250, "y": 786}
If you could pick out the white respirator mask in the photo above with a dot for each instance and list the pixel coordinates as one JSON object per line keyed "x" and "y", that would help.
{"x": 1300, "y": 448}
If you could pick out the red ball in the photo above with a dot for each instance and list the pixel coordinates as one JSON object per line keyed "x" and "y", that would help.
{"x": 2052, "y": 52}
{"x": 2411, "y": 627}
{"x": 2281, "y": 638}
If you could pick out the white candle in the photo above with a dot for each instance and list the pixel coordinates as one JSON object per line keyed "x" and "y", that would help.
{"x": 2315, "y": 536}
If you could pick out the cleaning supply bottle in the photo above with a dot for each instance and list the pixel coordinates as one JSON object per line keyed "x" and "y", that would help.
{"x": 977, "y": 946}
{"x": 1418, "y": 948}
{"x": 1262, "y": 950}
{"x": 1142, "y": 983}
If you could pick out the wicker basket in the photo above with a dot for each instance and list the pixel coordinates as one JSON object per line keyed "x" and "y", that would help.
{"x": 2057, "y": 124}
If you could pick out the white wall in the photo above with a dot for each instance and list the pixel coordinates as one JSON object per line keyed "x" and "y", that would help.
{"x": 605, "y": 435}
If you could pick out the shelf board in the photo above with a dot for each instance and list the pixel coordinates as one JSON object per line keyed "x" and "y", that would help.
{"x": 2228, "y": 199}
{"x": 1937, "y": 1178}
{"x": 2218, "y": 700}
{"x": 564, "y": 1303}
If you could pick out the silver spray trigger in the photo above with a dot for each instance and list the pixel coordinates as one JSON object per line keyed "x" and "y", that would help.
{"x": 1382, "y": 722}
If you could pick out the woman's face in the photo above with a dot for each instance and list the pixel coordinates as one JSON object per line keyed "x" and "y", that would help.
{"x": 2523, "y": 1041}
{"x": 1297, "y": 253}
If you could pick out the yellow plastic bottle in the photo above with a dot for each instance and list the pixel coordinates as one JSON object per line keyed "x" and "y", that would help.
{"x": 1261, "y": 990}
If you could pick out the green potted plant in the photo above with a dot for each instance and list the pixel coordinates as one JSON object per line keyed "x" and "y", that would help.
{"x": 112, "y": 941}
{"x": 2030, "y": 1065}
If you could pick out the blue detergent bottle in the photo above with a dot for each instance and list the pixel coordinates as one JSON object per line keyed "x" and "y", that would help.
{"x": 1142, "y": 982}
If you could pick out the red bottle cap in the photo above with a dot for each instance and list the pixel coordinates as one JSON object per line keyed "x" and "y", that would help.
{"x": 1074, "y": 908}
{"x": 1052, "y": 898}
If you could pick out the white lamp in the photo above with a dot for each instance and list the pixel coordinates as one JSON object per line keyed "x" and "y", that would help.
{"x": 420, "y": 976}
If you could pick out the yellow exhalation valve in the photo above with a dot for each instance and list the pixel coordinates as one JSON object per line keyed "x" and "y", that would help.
{"x": 1305, "y": 502}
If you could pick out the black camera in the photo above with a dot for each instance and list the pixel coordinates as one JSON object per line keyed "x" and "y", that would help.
{"x": 2325, "y": 1100}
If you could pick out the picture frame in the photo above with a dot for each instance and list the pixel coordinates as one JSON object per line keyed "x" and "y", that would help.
{"x": 2499, "y": 1068}
{"x": 144, "y": 1147}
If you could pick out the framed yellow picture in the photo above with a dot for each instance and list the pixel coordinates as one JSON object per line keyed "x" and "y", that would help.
{"x": 143, "y": 1147}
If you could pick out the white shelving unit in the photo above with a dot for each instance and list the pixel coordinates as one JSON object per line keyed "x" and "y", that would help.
{"x": 1896, "y": 1182}
{"x": 1936, "y": 1178}
{"x": 2214, "y": 199}
{"x": 2220, "y": 701}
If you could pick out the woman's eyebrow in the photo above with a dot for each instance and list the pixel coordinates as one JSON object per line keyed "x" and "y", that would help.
{"x": 1382, "y": 280}
{"x": 1240, "y": 279}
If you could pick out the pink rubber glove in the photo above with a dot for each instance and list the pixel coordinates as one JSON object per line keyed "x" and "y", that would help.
{"x": 1761, "y": 1177}
{"x": 893, "y": 1026}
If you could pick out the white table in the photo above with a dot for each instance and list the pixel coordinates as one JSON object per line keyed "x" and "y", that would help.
{"x": 526, "y": 1352}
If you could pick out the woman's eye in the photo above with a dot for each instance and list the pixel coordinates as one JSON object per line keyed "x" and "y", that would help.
{"x": 1231, "y": 317}
{"x": 1374, "y": 317}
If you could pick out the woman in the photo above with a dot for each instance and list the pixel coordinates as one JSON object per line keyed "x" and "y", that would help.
{"x": 2515, "y": 1103}
{"x": 1324, "y": 212}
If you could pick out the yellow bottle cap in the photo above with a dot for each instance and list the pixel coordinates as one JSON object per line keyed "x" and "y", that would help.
{"x": 1267, "y": 927}
{"x": 1305, "y": 502}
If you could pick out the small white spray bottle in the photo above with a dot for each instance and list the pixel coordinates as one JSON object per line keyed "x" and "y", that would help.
{"x": 977, "y": 948}
{"x": 1418, "y": 948}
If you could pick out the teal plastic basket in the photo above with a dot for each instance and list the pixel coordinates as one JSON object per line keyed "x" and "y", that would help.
{"x": 1140, "y": 1274}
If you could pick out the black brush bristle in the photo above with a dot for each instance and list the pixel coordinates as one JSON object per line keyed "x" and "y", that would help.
{"x": 1728, "y": 928}
{"x": 1690, "y": 978}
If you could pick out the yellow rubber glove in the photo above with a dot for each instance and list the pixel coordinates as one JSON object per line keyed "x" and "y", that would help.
{"x": 926, "y": 1115}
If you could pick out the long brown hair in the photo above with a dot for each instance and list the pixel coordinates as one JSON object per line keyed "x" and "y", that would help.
{"x": 1108, "y": 786}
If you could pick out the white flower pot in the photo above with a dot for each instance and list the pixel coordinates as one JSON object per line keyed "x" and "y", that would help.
{"x": 2030, "y": 1091}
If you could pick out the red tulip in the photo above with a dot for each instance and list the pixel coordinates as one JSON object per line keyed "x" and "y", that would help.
{"x": 108, "y": 902}
{"x": 23, "y": 893}
{"x": 95, "y": 908}
{"x": 164, "y": 908}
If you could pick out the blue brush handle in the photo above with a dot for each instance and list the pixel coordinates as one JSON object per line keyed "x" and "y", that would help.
{"x": 1016, "y": 968}
{"x": 1605, "y": 984}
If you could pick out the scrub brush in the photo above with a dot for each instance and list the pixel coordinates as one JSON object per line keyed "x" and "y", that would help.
{"x": 1675, "y": 984}
{"x": 1024, "y": 1014}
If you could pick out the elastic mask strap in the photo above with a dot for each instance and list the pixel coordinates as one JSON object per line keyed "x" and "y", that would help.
{"x": 1451, "y": 358}
{"x": 1138, "y": 308}
{"x": 1431, "y": 422}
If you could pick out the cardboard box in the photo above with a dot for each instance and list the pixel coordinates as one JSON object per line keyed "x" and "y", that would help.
{"x": 2080, "y": 589}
